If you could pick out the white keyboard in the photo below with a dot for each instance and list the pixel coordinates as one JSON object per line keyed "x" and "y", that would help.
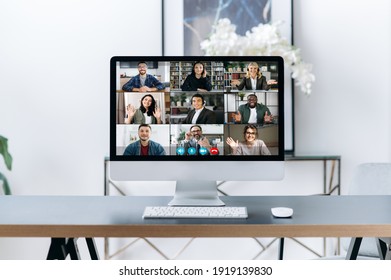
{"x": 175, "y": 212}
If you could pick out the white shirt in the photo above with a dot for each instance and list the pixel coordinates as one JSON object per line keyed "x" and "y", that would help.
{"x": 148, "y": 119}
{"x": 196, "y": 115}
{"x": 253, "y": 115}
{"x": 253, "y": 83}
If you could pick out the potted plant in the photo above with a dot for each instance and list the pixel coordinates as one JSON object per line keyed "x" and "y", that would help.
{"x": 183, "y": 98}
{"x": 181, "y": 136}
{"x": 8, "y": 163}
{"x": 241, "y": 95}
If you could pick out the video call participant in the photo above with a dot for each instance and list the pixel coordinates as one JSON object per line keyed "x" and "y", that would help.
{"x": 254, "y": 80}
{"x": 148, "y": 113}
{"x": 144, "y": 146}
{"x": 198, "y": 80}
{"x": 143, "y": 82}
{"x": 251, "y": 145}
{"x": 253, "y": 112}
{"x": 194, "y": 139}
{"x": 199, "y": 114}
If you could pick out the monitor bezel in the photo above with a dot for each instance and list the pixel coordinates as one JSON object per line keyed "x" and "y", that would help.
{"x": 113, "y": 82}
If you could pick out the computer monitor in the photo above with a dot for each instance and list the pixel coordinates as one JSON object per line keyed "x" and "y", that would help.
{"x": 197, "y": 120}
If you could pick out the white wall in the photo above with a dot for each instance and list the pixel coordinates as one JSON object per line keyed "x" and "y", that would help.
{"x": 349, "y": 112}
{"x": 54, "y": 71}
{"x": 54, "y": 91}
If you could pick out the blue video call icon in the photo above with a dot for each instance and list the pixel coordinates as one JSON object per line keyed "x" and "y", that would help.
{"x": 191, "y": 151}
{"x": 203, "y": 151}
{"x": 180, "y": 151}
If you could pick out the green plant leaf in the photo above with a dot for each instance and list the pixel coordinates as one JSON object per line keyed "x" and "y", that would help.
{"x": 5, "y": 153}
{"x": 6, "y": 187}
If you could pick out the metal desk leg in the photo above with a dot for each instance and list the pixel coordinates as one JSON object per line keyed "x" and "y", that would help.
{"x": 281, "y": 249}
{"x": 72, "y": 249}
{"x": 388, "y": 253}
{"x": 92, "y": 248}
{"x": 354, "y": 247}
{"x": 384, "y": 248}
{"x": 57, "y": 250}
{"x": 61, "y": 247}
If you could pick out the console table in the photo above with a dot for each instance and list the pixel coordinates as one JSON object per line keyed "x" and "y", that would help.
{"x": 328, "y": 175}
{"x": 68, "y": 217}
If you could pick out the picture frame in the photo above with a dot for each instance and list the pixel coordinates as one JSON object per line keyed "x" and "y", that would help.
{"x": 173, "y": 37}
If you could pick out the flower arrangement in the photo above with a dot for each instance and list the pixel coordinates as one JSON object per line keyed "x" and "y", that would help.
{"x": 264, "y": 39}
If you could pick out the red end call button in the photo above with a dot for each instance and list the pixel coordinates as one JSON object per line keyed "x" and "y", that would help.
{"x": 214, "y": 151}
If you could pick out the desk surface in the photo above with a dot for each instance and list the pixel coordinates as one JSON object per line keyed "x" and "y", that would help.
{"x": 117, "y": 216}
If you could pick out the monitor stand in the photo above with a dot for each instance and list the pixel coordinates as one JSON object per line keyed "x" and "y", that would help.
{"x": 196, "y": 193}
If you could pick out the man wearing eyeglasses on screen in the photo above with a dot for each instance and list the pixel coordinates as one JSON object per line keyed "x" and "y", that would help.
{"x": 197, "y": 144}
{"x": 143, "y": 82}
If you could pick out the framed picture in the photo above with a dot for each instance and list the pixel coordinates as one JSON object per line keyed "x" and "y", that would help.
{"x": 187, "y": 23}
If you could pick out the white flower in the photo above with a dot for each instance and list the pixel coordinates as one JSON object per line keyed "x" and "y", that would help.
{"x": 262, "y": 40}
{"x": 301, "y": 72}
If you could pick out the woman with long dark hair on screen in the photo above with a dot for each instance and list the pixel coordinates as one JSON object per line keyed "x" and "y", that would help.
{"x": 198, "y": 80}
{"x": 148, "y": 113}
{"x": 251, "y": 145}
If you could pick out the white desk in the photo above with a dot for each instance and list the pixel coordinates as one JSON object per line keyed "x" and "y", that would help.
{"x": 99, "y": 216}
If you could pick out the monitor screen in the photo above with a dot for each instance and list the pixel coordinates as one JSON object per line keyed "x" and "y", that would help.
{"x": 196, "y": 118}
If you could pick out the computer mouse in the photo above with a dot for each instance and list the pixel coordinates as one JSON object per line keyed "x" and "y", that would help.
{"x": 282, "y": 212}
